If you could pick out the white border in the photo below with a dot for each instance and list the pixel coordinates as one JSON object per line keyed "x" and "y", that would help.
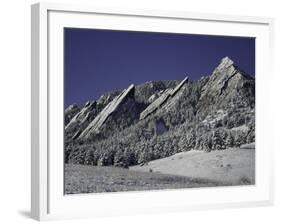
{"x": 48, "y": 202}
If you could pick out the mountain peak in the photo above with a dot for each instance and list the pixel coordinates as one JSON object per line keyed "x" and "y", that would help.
{"x": 228, "y": 68}
{"x": 71, "y": 107}
{"x": 225, "y": 69}
{"x": 226, "y": 62}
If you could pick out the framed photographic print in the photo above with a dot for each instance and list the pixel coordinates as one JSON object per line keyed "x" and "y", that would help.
{"x": 148, "y": 111}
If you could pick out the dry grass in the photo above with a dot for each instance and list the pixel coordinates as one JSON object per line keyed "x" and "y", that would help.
{"x": 95, "y": 179}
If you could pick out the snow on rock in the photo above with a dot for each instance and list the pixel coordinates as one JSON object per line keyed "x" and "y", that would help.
{"x": 214, "y": 118}
{"x": 94, "y": 126}
{"x": 81, "y": 118}
{"x": 70, "y": 112}
{"x": 155, "y": 96}
{"x": 226, "y": 75}
{"x": 162, "y": 99}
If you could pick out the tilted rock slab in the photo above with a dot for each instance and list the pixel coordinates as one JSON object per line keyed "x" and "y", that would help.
{"x": 70, "y": 112}
{"x": 95, "y": 125}
{"x": 225, "y": 75}
{"x": 81, "y": 117}
{"x": 162, "y": 99}
{"x": 228, "y": 88}
{"x": 224, "y": 82}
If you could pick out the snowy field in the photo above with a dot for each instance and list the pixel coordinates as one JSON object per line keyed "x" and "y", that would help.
{"x": 183, "y": 170}
{"x": 235, "y": 166}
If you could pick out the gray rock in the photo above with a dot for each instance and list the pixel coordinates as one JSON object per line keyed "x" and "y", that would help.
{"x": 144, "y": 91}
{"x": 166, "y": 117}
{"x": 228, "y": 87}
{"x": 94, "y": 127}
{"x": 70, "y": 112}
{"x": 82, "y": 118}
{"x": 156, "y": 104}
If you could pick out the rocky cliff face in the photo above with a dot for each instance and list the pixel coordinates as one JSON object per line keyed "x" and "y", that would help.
{"x": 70, "y": 112}
{"x": 145, "y": 91}
{"x": 82, "y": 118}
{"x": 228, "y": 86}
{"x": 162, "y": 99}
{"x": 94, "y": 127}
{"x": 82, "y": 126}
{"x": 160, "y": 118}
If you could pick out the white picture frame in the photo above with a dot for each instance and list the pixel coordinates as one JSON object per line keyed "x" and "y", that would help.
{"x": 47, "y": 198}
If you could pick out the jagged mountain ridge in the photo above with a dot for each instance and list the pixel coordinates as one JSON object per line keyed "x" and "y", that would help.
{"x": 227, "y": 85}
{"x": 100, "y": 120}
{"x": 221, "y": 102}
{"x": 86, "y": 118}
{"x": 161, "y": 99}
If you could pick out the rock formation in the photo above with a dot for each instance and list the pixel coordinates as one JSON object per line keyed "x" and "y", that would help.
{"x": 144, "y": 91}
{"x": 161, "y": 99}
{"x": 95, "y": 125}
{"x": 160, "y": 118}
{"x": 82, "y": 118}
{"x": 70, "y": 112}
{"x": 227, "y": 86}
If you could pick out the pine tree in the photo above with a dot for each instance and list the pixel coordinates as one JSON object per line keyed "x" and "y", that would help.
{"x": 199, "y": 143}
{"x": 207, "y": 143}
{"x": 239, "y": 138}
{"x": 217, "y": 141}
{"x": 90, "y": 158}
{"x": 191, "y": 140}
{"x": 183, "y": 146}
{"x": 229, "y": 140}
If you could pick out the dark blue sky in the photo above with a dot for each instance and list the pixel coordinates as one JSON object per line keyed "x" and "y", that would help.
{"x": 99, "y": 61}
